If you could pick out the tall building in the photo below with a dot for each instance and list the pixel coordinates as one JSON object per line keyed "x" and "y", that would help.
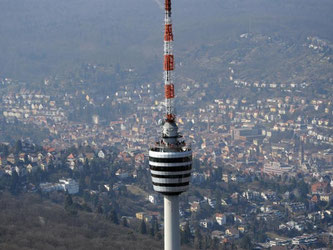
{"x": 170, "y": 158}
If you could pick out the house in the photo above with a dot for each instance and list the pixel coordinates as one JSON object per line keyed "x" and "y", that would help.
{"x": 296, "y": 207}
{"x": 8, "y": 169}
{"x": 206, "y": 223}
{"x": 224, "y": 202}
{"x": 153, "y": 198}
{"x": 275, "y": 168}
{"x": 212, "y": 202}
{"x": 320, "y": 188}
{"x": 135, "y": 174}
{"x": 49, "y": 187}
{"x": 81, "y": 158}
{"x": 121, "y": 174}
{"x": 90, "y": 156}
{"x": 141, "y": 216}
{"x": 70, "y": 185}
{"x": 242, "y": 228}
{"x": 101, "y": 154}
{"x": 269, "y": 195}
{"x": 71, "y": 161}
{"x": 32, "y": 158}
{"x": 107, "y": 187}
{"x": 326, "y": 197}
{"x": 195, "y": 206}
{"x": 216, "y": 234}
{"x": 232, "y": 232}
{"x": 139, "y": 158}
{"x": 40, "y": 156}
{"x": 221, "y": 219}
{"x": 235, "y": 198}
{"x": 31, "y": 167}
{"x": 11, "y": 158}
{"x": 239, "y": 219}
{"x": 304, "y": 239}
{"x": 22, "y": 157}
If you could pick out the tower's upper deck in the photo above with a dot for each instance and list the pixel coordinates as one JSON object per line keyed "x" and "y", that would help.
{"x": 170, "y": 162}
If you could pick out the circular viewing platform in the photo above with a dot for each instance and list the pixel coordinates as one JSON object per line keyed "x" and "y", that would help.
{"x": 170, "y": 167}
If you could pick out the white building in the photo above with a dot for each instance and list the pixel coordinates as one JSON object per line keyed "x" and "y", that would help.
{"x": 275, "y": 168}
{"x": 153, "y": 198}
{"x": 70, "y": 185}
{"x": 49, "y": 187}
{"x": 221, "y": 219}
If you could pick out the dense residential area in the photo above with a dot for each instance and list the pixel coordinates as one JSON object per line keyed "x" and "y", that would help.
{"x": 262, "y": 165}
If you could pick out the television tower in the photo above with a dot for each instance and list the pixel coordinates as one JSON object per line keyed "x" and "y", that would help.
{"x": 170, "y": 158}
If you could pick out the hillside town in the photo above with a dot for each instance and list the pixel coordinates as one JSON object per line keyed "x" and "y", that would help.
{"x": 261, "y": 165}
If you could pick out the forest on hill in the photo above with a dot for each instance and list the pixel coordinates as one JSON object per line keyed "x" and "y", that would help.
{"x": 31, "y": 222}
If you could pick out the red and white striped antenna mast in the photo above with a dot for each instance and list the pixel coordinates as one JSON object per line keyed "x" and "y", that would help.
{"x": 168, "y": 64}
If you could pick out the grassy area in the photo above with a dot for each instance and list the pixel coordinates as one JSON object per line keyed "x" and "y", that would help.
{"x": 137, "y": 191}
{"x": 274, "y": 235}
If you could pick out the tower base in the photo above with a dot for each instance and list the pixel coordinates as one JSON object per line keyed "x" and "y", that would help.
{"x": 171, "y": 222}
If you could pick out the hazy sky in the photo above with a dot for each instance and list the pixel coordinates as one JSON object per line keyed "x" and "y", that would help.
{"x": 43, "y": 36}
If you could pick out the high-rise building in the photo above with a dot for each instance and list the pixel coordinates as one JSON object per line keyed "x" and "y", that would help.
{"x": 170, "y": 158}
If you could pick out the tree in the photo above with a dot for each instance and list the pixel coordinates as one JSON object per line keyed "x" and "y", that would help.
{"x": 99, "y": 209}
{"x": 246, "y": 243}
{"x": 68, "y": 201}
{"x": 14, "y": 183}
{"x": 152, "y": 231}
{"x": 198, "y": 239}
{"x": 158, "y": 236}
{"x": 18, "y": 147}
{"x": 155, "y": 225}
{"x": 185, "y": 235}
{"x": 4, "y": 149}
{"x": 114, "y": 217}
{"x": 124, "y": 222}
{"x": 215, "y": 244}
{"x": 70, "y": 207}
{"x": 143, "y": 227}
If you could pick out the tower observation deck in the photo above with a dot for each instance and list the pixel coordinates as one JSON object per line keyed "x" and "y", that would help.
{"x": 170, "y": 158}
{"x": 170, "y": 162}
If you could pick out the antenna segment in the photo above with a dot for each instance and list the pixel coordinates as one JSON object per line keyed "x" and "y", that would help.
{"x": 168, "y": 64}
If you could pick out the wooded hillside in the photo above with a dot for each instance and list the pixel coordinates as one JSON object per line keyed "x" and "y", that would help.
{"x": 28, "y": 222}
